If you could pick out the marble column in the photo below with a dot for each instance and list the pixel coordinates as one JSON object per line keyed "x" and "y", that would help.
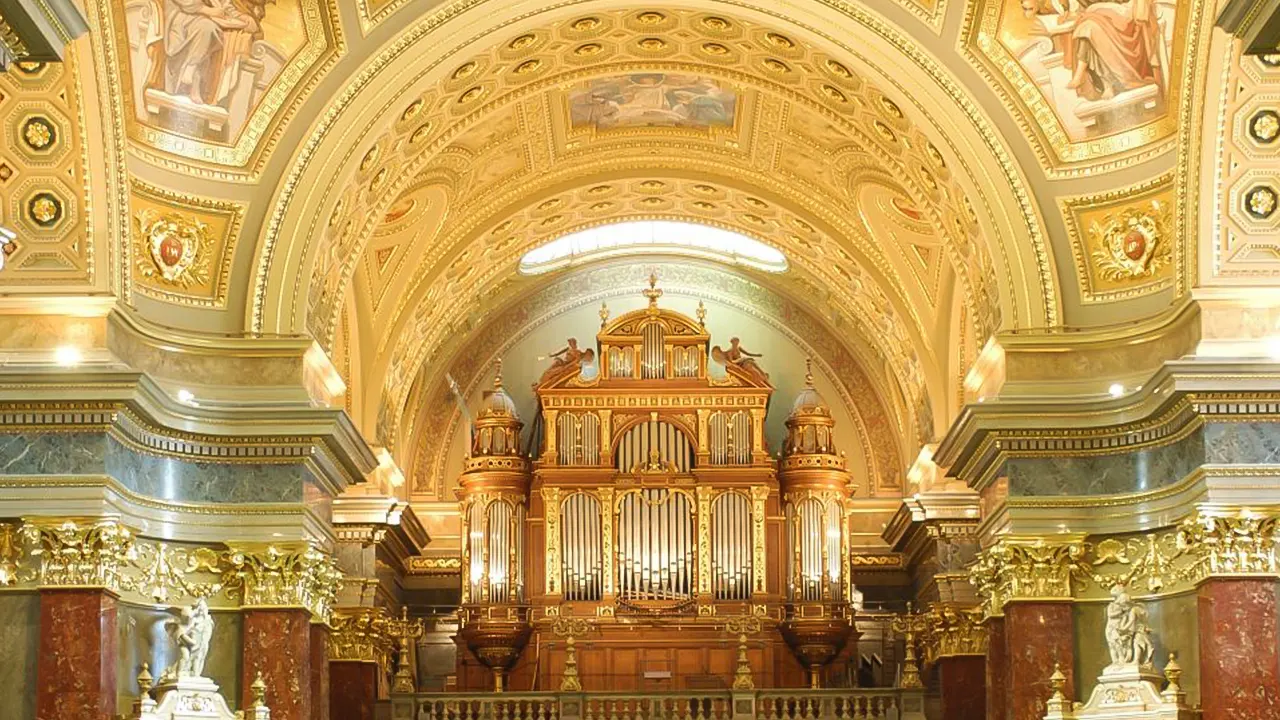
{"x": 1036, "y": 635}
{"x": 997, "y": 670}
{"x": 76, "y": 668}
{"x": 962, "y": 685}
{"x": 320, "y": 678}
{"x": 353, "y": 689}
{"x": 1239, "y": 649}
{"x": 277, "y": 643}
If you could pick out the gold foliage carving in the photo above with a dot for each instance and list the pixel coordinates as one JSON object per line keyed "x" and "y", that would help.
{"x": 293, "y": 576}
{"x": 361, "y": 634}
{"x": 1204, "y": 545}
{"x": 1123, "y": 241}
{"x": 182, "y": 245}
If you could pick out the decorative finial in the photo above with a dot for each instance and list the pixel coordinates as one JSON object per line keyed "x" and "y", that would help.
{"x": 497, "y": 377}
{"x": 702, "y": 314}
{"x": 145, "y": 680}
{"x": 808, "y": 372}
{"x": 259, "y": 690}
{"x": 653, "y": 293}
{"x": 1173, "y": 673}
{"x": 1058, "y": 682}
{"x": 604, "y": 314}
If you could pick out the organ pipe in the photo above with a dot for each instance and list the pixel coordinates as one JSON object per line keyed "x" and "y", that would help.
{"x": 581, "y": 541}
{"x": 731, "y": 546}
{"x": 637, "y": 444}
{"x": 656, "y": 546}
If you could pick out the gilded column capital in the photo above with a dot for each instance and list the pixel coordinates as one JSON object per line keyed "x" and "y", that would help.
{"x": 361, "y": 634}
{"x": 83, "y": 552}
{"x": 291, "y": 575}
{"x": 952, "y": 631}
{"x": 1030, "y": 569}
{"x": 1242, "y": 543}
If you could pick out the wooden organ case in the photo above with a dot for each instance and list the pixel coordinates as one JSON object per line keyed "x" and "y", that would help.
{"x": 654, "y": 511}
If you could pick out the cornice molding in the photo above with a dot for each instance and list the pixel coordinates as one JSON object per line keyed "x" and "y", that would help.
{"x": 133, "y": 407}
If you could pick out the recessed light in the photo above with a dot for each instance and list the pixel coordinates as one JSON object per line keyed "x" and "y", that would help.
{"x": 67, "y": 356}
{"x": 1116, "y": 390}
{"x": 185, "y": 396}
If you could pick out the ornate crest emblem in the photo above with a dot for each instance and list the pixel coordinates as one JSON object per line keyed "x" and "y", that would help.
{"x": 1132, "y": 244}
{"x": 172, "y": 248}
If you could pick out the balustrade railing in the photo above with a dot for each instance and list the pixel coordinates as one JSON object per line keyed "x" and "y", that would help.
{"x": 848, "y": 704}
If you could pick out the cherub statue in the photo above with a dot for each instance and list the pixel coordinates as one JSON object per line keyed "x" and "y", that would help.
{"x": 1128, "y": 637}
{"x": 192, "y": 632}
{"x": 566, "y": 356}
{"x": 738, "y": 357}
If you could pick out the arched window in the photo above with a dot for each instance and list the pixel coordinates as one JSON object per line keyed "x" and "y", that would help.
{"x": 652, "y": 237}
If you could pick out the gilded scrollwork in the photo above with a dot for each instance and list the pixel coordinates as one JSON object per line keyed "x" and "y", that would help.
{"x": 1035, "y": 568}
{"x": 81, "y": 552}
{"x": 950, "y": 631}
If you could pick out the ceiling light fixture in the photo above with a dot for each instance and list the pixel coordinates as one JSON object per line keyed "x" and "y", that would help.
{"x": 1116, "y": 390}
{"x": 185, "y": 396}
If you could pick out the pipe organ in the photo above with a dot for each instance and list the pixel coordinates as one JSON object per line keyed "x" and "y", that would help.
{"x": 653, "y": 496}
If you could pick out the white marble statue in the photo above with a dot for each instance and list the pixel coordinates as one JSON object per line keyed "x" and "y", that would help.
{"x": 1128, "y": 637}
{"x": 192, "y": 633}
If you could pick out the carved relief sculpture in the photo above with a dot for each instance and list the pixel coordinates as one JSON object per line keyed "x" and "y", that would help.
{"x": 192, "y": 632}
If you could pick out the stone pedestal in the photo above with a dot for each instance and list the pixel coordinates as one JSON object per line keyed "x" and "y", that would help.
{"x": 76, "y": 669}
{"x": 997, "y": 670}
{"x": 962, "y": 685}
{"x": 353, "y": 689}
{"x": 1125, "y": 693}
{"x": 1036, "y": 636}
{"x": 1239, "y": 649}
{"x": 277, "y": 643}
{"x": 194, "y": 698}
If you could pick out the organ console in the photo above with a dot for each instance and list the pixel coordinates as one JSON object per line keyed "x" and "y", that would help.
{"x": 652, "y": 507}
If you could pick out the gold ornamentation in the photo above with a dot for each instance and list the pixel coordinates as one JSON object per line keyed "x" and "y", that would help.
{"x": 162, "y": 568}
{"x": 1018, "y": 569}
{"x": 419, "y": 565}
{"x": 90, "y": 552}
{"x": 45, "y": 209}
{"x": 570, "y": 628}
{"x": 909, "y": 626}
{"x": 172, "y": 247}
{"x": 1122, "y": 241}
{"x": 1133, "y": 243}
{"x": 1265, "y": 126}
{"x": 653, "y": 44}
{"x": 950, "y": 631}
{"x": 742, "y": 626}
{"x": 1261, "y": 202}
{"x": 11, "y": 554}
{"x": 38, "y": 133}
{"x": 297, "y": 575}
{"x": 361, "y": 635}
{"x": 405, "y": 630}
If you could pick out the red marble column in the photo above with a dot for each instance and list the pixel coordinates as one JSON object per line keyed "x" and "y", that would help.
{"x": 320, "y": 679}
{"x": 1037, "y": 635}
{"x": 1239, "y": 649}
{"x": 277, "y": 643}
{"x": 962, "y": 685}
{"x": 76, "y": 670}
{"x": 353, "y": 690}
{"x": 997, "y": 670}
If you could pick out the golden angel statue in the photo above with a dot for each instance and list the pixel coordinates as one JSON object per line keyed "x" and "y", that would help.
{"x": 738, "y": 357}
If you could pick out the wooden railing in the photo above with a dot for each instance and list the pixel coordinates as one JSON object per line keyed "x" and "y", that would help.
{"x": 850, "y": 704}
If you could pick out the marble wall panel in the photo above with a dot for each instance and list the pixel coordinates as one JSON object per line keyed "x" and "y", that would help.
{"x": 19, "y": 648}
{"x": 1174, "y": 626}
{"x": 1134, "y": 471}
{"x": 997, "y": 670}
{"x": 1239, "y": 649}
{"x": 167, "y": 478}
{"x": 277, "y": 643}
{"x": 52, "y": 453}
{"x": 962, "y": 684}
{"x": 353, "y": 690}
{"x": 1242, "y": 442}
{"x": 1037, "y": 635}
{"x": 145, "y": 637}
{"x": 76, "y": 663}
{"x": 321, "y": 680}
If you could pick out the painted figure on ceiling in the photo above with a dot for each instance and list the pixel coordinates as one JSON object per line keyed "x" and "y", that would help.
{"x": 199, "y": 46}
{"x": 1113, "y": 47}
